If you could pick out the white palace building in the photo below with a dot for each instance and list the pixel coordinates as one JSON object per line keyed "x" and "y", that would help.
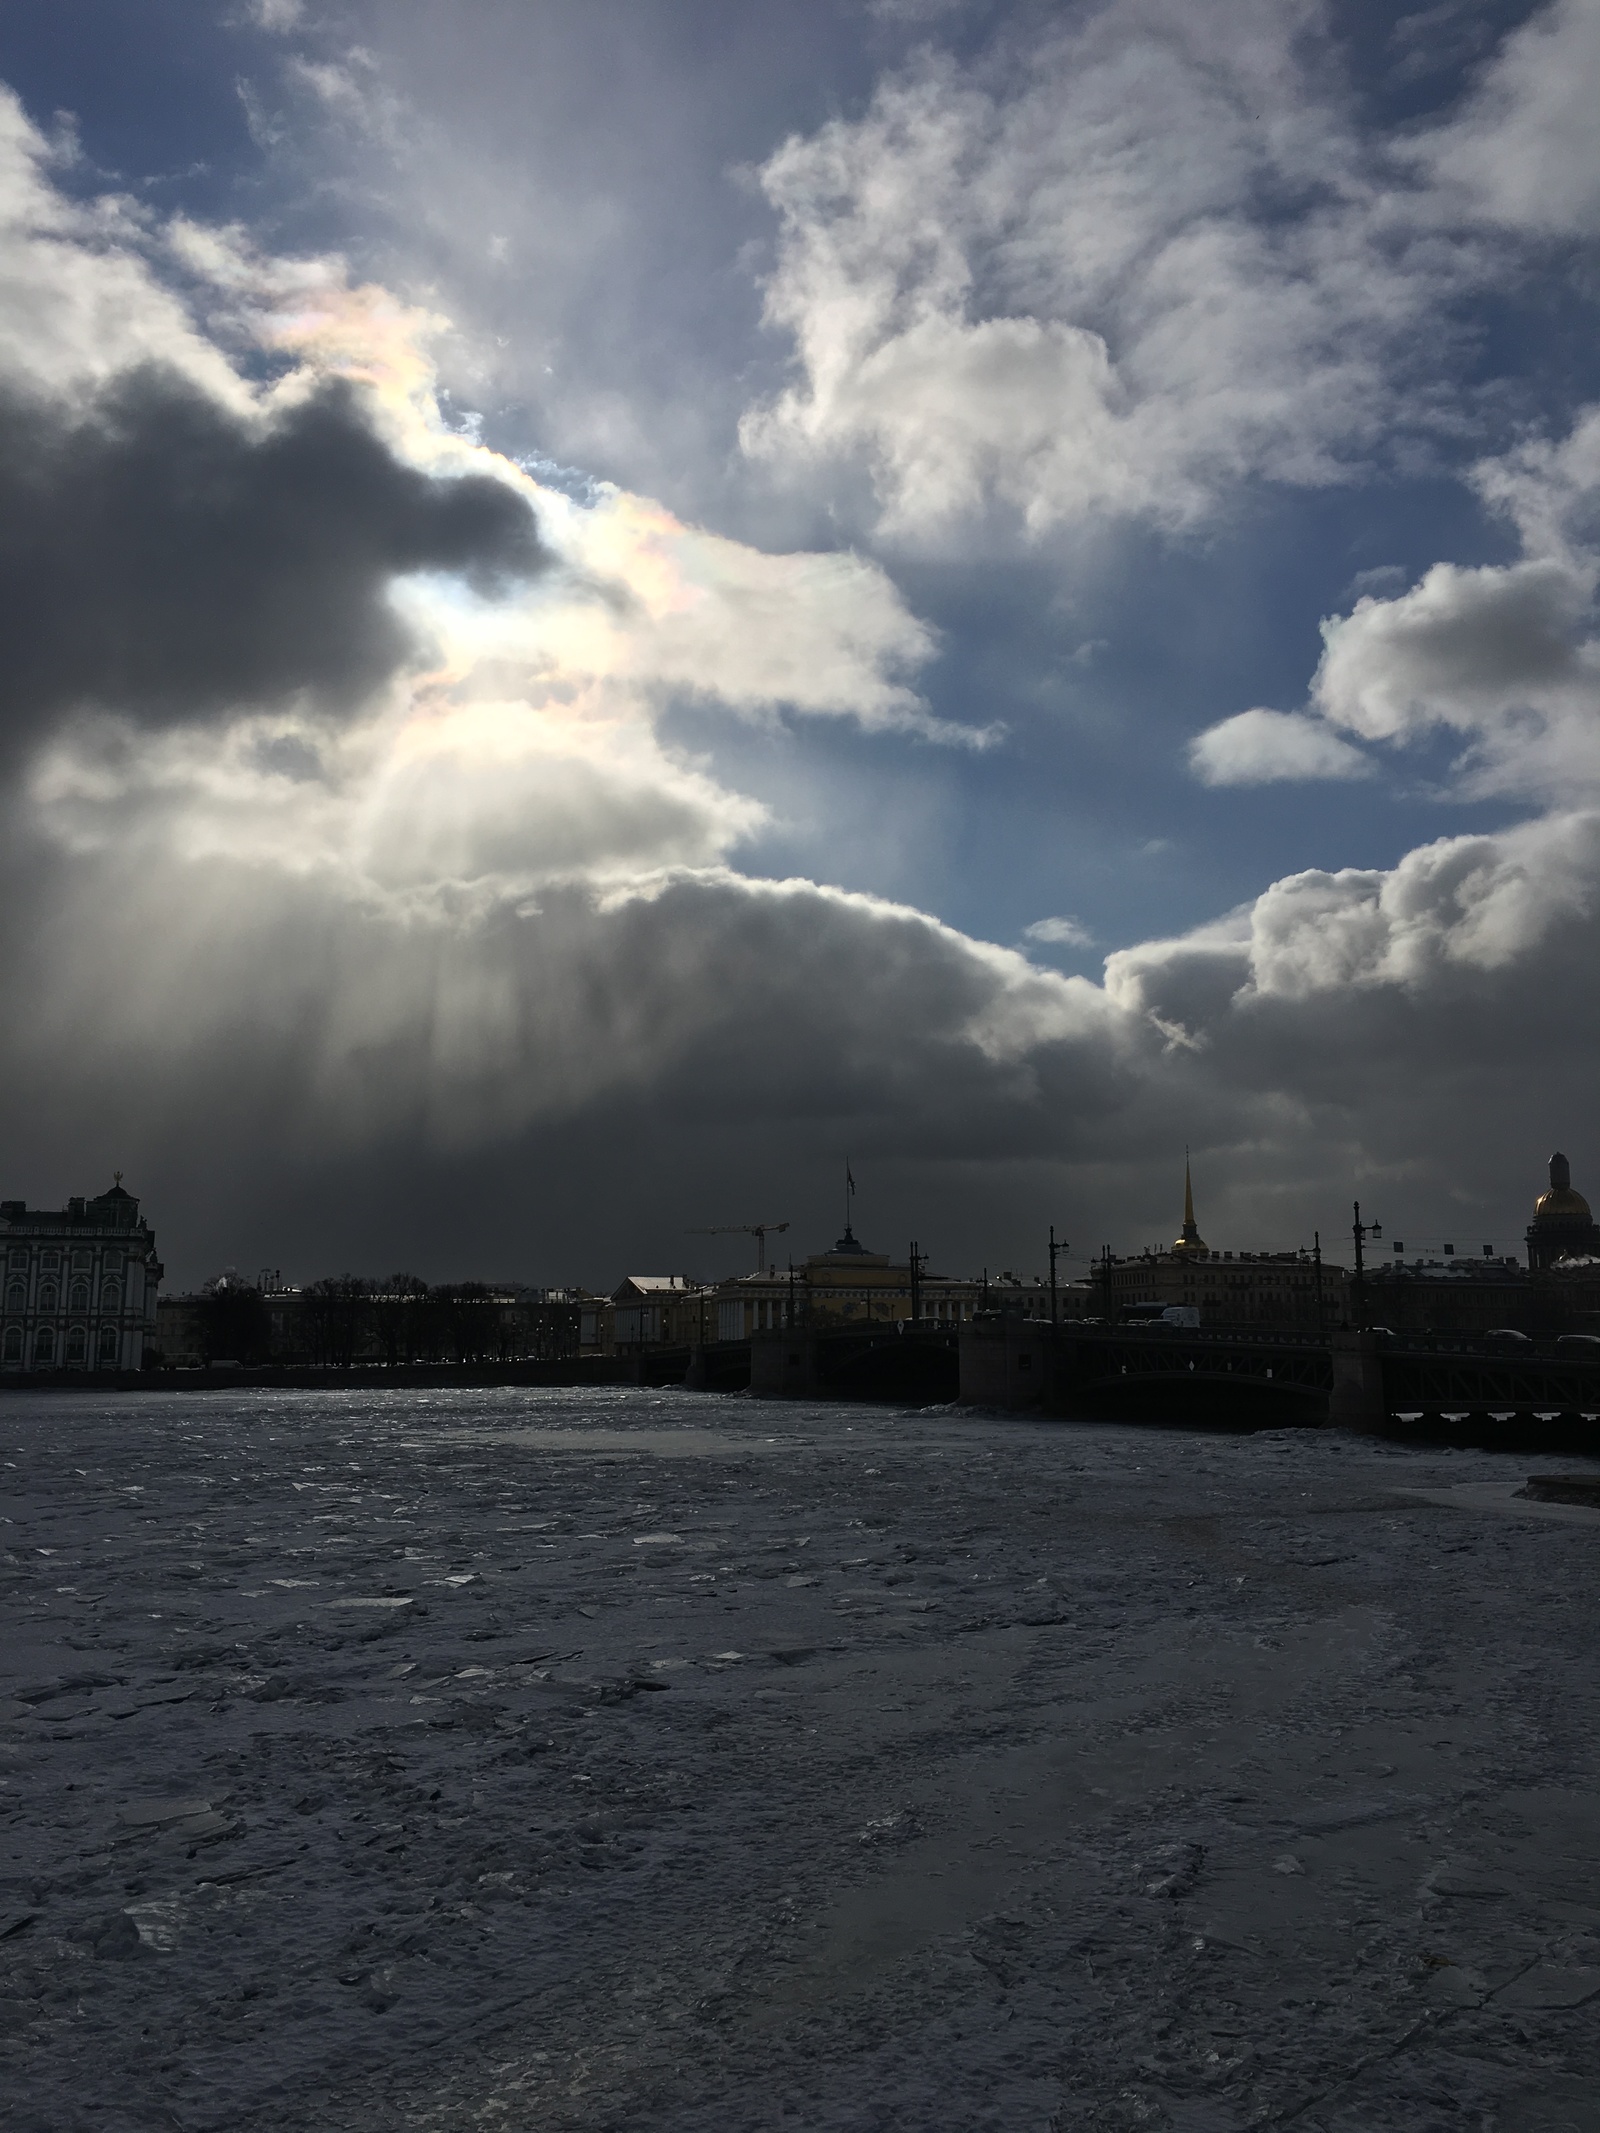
{"x": 79, "y": 1284}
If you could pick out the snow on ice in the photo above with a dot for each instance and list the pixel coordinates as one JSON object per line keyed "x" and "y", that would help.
{"x": 596, "y": 1759}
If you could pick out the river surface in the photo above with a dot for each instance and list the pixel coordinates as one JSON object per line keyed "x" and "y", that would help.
{"x": 612, "y": 1759}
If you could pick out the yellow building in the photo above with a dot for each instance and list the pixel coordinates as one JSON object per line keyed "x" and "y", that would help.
{"x": 847, "y": 1286}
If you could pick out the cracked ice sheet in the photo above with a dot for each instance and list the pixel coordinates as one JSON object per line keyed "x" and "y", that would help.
{"x": 568, "y": 1760}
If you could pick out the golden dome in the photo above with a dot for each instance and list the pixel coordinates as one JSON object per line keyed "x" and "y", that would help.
{"x": 1561, "y": 1204}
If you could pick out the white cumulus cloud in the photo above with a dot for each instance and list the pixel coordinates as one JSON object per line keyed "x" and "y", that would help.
{"x": 1266, "y": 747}
{"x": 1157, "y": 260}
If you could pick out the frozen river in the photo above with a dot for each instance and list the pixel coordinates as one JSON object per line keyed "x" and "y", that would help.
{"x": 570, "y": 1759}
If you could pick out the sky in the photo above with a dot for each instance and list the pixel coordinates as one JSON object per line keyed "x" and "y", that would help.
{"x": 609, "y": 607}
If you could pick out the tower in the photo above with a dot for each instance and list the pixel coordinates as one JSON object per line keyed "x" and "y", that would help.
{"x": 1191, "y": 1239}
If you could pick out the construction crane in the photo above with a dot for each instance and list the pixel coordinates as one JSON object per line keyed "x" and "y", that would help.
{"x": 758, "y": 1230}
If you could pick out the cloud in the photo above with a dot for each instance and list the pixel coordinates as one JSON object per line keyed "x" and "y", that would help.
{"x": 1156, "y": 261}
{"x": 1462, "y": 647}
{"x": 1059, "y": 933}
{"x": 401, "y": 921}
{"x": 1522, "y": 151}
{"x": 1147, "y": 260}
{"x": 79, "y": 305}
{"x": 1503, "y": 657}
{"x": 166, "y": 558}
{"x": 483, "y": 1045}
{"x": 185, "y": 540}
{"x": 1266, "y": 747}
{"x": 1453, "y": 913}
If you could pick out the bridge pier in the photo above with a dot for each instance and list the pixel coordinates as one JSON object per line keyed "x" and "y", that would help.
{"x": 856, "y": 1362}
{"x": 1357, "y": 1399}
{"x": 783, "y": 1366}
{"x": 1008, "y": 1362}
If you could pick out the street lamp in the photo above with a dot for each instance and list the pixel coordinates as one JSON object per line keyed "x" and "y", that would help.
{"x": 1361, "y": 1231}
{"x": 1063, "y": 1246}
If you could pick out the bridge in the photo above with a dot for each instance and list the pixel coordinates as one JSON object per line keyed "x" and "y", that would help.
{"x": 909, "y": 1362}
{"x": 1448, "y": 1390}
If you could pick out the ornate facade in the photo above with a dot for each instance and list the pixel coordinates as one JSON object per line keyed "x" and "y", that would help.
{"x": 79, "y": 1284}
{"x": 847, "y": 1286}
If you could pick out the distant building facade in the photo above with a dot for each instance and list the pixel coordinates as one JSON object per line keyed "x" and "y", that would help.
{"x": 1456, "y": 1295}
{"x": 847, "y": 1285}
{"x": 660, "y": 1311}
{"x": 1226, "y": 1288}
{"x": 1557, "y": 1291}
{"x": 80, "y": 1284}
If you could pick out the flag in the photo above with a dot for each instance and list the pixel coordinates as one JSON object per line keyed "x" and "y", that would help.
{"x": 849, "y": 1181}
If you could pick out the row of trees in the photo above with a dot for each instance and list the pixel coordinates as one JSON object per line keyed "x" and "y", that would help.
{"x": 346, "y": 1319}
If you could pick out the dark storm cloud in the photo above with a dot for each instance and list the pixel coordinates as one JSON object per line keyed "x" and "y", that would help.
{"x": 163, "y": 558}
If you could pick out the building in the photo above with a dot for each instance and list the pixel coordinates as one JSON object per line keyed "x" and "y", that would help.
{"x": 1455, "y": 1295}
{"x": 1562, "y": 1226}
{"x": 1226, "y": 1288}
{"x": 80, "y": 1284}
{"x": 660, "y": 1311}
{"x": 847, "y": 1285}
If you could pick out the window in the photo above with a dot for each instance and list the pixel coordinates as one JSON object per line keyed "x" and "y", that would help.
{"x": 81, "y": 1259}
{"x": 111, "y": 1296}
{"x": 19, "y": 1256}
{"x": 44, "y": 1346}
{"x": 108, "y": 1344}
{"x": 13, "y": 1344}
{"x": 16, "y": 1297}
{"x": 50, "y": 1259}
{"x": 77, "y": 1346}
{"x": 113, "y": 1262}
{"x": 47, "y": 1296}
{"x": 80, "y": 1296}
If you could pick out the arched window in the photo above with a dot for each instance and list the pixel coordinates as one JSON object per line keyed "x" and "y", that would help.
{"x": 77, "y": 1346}
{"x": 111, "y": 1296}
{"x": 17, "y": 1297}
{"x": 80, "y": 1296}
{"x": 13, "y": 1344}
{"x": 108, "y": 1344}
{"x": 44, "y": 1346}
{"x": 47, "y": 1296}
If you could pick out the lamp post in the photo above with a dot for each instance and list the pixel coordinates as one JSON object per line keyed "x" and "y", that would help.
{"x": 1361, "y": 1231}
{"x": 1063, "y": 1246}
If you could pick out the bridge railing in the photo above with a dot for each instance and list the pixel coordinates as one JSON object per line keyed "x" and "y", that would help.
{"x": 1552, "y": 1348}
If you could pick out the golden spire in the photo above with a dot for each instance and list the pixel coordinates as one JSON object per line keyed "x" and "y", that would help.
{"x": 1191, "y": 1239}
